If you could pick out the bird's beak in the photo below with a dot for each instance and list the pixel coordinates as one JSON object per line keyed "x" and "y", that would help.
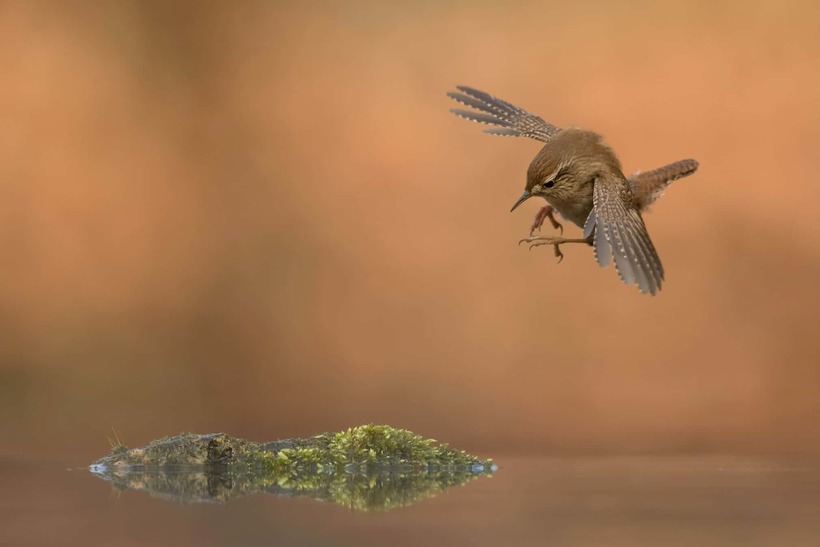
{"x": 524, "y": 197}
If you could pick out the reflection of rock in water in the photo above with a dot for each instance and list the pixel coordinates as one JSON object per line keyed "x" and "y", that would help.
{"x": 365, "y": 490}
{"x": 365, "y": 468}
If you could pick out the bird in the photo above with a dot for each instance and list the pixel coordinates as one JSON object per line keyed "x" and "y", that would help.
{"x": 581, "y": 179}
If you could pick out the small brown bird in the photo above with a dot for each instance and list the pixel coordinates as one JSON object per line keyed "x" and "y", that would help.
{"x": 581, "y": 179}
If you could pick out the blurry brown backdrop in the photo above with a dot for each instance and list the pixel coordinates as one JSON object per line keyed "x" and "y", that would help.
{"x": 259, "y": 217}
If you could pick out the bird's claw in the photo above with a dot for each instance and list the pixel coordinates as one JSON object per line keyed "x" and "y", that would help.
{"x": 537, "y": 241}
{"x": 543, "y": 213}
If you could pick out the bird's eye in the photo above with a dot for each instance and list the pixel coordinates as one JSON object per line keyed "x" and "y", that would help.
{"x": 549, "y": 184}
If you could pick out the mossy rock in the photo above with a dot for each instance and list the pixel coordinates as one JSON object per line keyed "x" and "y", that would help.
{"x": 365, "y": 467}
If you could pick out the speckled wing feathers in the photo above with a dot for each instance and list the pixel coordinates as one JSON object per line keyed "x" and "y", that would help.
{"x": 508, "y": 119}
{"x": 620, "y": 233}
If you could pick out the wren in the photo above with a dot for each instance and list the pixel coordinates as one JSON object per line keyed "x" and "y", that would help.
{"x": 581, "y": 179}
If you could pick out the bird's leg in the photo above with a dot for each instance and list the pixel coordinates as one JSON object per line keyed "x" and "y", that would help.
{"x": 545, "y": 212}
{"x": 554, "y": 241}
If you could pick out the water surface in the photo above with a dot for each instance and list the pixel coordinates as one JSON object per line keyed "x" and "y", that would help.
{"x": 630, "y": 501}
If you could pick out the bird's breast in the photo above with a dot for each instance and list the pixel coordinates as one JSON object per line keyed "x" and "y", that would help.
{"x": 575, "y": 211}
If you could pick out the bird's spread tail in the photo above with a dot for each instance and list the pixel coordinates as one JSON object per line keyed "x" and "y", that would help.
{"x": 649, "y": 186}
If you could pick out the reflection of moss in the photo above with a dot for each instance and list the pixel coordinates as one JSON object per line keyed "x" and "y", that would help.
{"x": 375, "y": 490}
{"x": 364, "y": 491}
{"x": 365, "y": 467}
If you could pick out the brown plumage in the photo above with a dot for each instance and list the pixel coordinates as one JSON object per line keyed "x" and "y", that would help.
{"x": 649, "y": 186}
{"x": 581, "y": 178}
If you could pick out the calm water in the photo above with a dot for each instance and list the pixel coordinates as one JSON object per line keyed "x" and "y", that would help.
{"x": 657, "y": 501}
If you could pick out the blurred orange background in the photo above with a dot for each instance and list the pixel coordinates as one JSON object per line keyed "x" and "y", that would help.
{"x": 259, "y": 217}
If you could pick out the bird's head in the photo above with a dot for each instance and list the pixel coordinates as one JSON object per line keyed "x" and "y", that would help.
{"x": 568, "y": 162}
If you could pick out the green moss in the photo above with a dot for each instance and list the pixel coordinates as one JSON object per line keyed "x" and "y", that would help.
{"x": 117, "y": 447}
{"x": 385, "y": 445}
{"x": 377, "y": 446}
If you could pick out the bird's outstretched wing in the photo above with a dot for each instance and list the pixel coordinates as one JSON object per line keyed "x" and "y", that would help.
{"x": 508, "y": 119}
{"x": 621, "y": 233}
{"x": 649, "y": 186}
